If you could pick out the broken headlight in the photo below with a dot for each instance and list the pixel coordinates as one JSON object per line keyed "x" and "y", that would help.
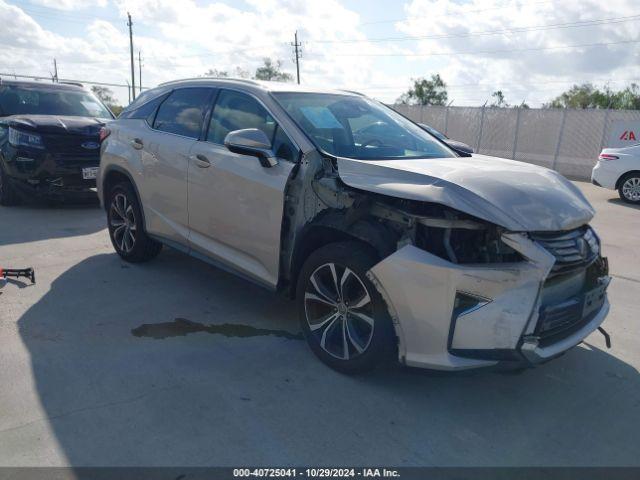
{"x": 18, "y": 138}
{"x": 460, "y": 245}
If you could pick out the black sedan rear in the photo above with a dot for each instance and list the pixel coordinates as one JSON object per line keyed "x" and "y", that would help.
{"x": 49, "y": 141}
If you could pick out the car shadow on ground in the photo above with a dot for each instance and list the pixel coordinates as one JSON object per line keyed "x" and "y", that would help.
{"x": 618, "y": 201}
{"x": 112, "y": 397}
{"x": 43, "y": 222}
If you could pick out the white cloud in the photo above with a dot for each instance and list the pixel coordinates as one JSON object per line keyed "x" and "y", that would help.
{"x": 187, "y": 38}
{"x": 70, "y": 4}
{"x": 536, "y": 75}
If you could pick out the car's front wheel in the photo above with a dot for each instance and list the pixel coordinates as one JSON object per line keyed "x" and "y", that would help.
{"x": 342, "y": 315}
{"x": 630, "y": 188}
{"x": 126, "y": 228}
{"x": 8, "y": 195}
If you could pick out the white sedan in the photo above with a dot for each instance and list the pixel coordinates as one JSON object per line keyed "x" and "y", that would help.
{"x": 619, "y": 169}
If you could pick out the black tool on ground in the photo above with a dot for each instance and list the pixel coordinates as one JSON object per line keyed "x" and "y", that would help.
{"x": 18, "y": 273}
{"x": 607, "y": 338}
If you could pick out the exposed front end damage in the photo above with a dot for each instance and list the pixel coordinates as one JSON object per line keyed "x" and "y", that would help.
{"x": 453, "y": 316}
{"x": 466, "y": 287}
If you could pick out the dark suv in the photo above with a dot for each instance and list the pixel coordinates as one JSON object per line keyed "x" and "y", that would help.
{"x": 49, "y": 140}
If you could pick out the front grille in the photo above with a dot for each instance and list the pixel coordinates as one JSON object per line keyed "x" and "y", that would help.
{"x": 71, "y": 145}
{"x": 572, "y": 249}
{"x": 67, "y": 150}
{"x": 560, "y": 318}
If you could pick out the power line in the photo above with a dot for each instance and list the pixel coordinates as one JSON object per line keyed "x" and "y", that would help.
{"x": 485, "y": 52}
{"x": 457, "y": 14}
{"x": 523, "y": 84}
{"x": 63, "y": 80}
{"x": 583, "y": 23}
{"x": 41, "y": 10}
{"x": 211, "y": 54}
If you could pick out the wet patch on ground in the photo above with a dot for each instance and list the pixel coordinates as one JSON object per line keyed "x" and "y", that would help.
{"x": 182, "y": 326}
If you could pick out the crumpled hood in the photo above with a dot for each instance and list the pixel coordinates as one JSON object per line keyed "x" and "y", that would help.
{"x": 57, "y": 124}
{"x": 518, "y": 196}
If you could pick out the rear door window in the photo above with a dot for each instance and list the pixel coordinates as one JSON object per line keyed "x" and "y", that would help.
{"x": 182, "y": 113}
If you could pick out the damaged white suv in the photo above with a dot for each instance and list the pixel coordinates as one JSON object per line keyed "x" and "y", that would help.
{"x": 390, "y": 241}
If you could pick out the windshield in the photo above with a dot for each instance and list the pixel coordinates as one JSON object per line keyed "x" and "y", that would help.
{"x": 357, "y": 127}
{"x": 16, "y": 100}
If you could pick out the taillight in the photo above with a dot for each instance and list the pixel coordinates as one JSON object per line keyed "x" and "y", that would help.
{"x": 607, "y": 156}
{"x": 104, "y": 133}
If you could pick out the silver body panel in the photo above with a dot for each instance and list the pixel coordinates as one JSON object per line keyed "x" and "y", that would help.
{"x": 235, "y": 210}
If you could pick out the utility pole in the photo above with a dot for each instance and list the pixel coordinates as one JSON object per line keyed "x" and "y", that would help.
{"x": 133, "y": 74}
{"x": 140, "y": 72}
{"x": 129, "y": 90}
{"x": 55, "y": 70}
{"x": 296, "y": 47}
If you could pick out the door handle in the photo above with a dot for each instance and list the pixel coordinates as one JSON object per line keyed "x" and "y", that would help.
{"x": 137, "y": 143}
{"x": 201, "y": 161}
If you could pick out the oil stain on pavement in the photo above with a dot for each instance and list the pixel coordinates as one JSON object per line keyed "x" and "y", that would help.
{"x": 182, "y": 327}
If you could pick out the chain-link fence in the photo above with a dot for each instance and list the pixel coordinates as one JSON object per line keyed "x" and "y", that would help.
{"x": 565, "y": 140}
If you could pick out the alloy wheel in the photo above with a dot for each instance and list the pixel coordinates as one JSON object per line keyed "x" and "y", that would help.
{"x": 631, "y": 189}
{"x": 123, "y": 223}
{"x": 339, "y": 311}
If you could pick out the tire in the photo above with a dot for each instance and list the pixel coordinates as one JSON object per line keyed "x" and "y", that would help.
{"x": 629, "y": 189}
{"x": 8, "y": 196}
{"x": 126, "y": 228}
{"x": 331, "y": 283}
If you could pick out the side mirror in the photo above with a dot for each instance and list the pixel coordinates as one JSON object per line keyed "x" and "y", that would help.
{"x": 251, "y": 141}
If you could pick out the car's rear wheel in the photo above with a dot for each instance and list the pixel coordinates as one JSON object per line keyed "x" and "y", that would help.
{"x": 8, "y": 196}
{"x": 629, "y": 189}
{"x": 342, "y": 315}
{"x": 126, "y": 228}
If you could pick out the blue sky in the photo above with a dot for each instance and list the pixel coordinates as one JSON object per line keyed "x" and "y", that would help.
{"x": 530, "y": 49}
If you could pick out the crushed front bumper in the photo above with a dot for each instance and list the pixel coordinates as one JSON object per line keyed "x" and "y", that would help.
{"x": 56, "y": 188}
{"x": 55, "y": 176}
{"x": 450, "y": 316}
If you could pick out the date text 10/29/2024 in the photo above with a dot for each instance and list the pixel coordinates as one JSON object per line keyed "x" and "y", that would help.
{"x": 316, "y": 473}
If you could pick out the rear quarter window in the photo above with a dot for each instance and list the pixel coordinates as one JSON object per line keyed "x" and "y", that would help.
{"x": 182, "y": 113}
{"x": 146, "y": 111}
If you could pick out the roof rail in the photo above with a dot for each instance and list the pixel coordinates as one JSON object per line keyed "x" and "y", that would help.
{"x": 353, "y": 92}
{"x": 241, "y": 80}
{"x": 77, "y": 84}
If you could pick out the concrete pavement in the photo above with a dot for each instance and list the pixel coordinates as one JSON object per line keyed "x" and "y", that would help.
{"x": 105, "y": 363}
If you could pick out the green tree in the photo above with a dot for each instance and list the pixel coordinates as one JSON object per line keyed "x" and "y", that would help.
{"x": 214, "y": 72}
{"x": 106, "y": 96}
{"x": 498, "y": 100}
{"x": 589, "y": 96}
{"x": 272, "y": 70}
{"x": 424, "y": 91}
